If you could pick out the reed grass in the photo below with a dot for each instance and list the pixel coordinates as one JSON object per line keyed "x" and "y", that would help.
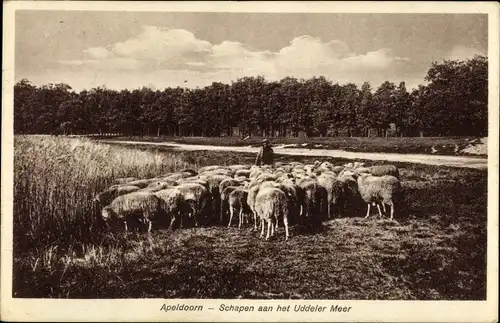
{"x": 55, "y": 180}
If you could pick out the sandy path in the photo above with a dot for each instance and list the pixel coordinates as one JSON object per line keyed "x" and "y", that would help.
{"x": 455, "y": 161}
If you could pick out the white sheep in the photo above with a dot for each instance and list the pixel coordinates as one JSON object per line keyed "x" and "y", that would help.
{"x": 266, "y": 177}
{"x": 237, "y": 204}
{"x": 213, "y": 188}
{"x": 224, "y": 201}
{"x": 209, "y": 168}
{"x": 270, "y": 205}
{"x": 242, "y": 172}
{"x": 177, "y": 176}
{"x": 333, "y": 189}
{"x": 105, "y": 197}
{"x": 357, "y": 165}
{"x": 380, "y": 170}
{"x": 174, "y": 204}
{"x": 253, "y": 190}
{"x": 189, "y": 171}
{"x": 312, "y": 195}
{"x": 197, "y": 196}
{"x": 228, "y": 182}
{"x": 239, "y": 167}
{"x": 194, "y": 180}
{"x": 295, "y": 198}
{"x": 350, "y": 189}
{"x": 379, "y": 189}
{"x": 125, "y": 180}
{"x": 221, "y": 171}
{"x": 361, "y": 170}
{"x": 326, "y": 165}
{"x": 157, "y": 186}
{"x": 142, "y": 183}
{"x": 139, "y": 206}
{"x": 337, "y": 169}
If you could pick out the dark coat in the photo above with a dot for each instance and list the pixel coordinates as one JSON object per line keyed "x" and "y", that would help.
{"x": 265, "y": 156}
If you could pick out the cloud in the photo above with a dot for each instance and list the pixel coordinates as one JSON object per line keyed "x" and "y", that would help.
{"x": 174, "y": 52}
{"x": 110, "y": 64}
{"x": 97, "y": 52}
{"x": 163, "y": 46}
{"x": 460, "y": 52}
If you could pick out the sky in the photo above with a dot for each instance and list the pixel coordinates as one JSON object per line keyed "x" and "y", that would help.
{"x": 121, "y": 50}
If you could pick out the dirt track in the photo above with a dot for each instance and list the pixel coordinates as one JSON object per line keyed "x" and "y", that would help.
{"x": 453, "y": 161}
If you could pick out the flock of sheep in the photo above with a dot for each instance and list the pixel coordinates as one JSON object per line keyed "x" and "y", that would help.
{"x": 285, "y": 193}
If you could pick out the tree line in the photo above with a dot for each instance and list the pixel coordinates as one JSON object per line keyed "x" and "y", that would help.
{"x": 454, "y": 102}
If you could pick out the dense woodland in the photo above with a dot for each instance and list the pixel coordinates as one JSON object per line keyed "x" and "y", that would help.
{"x": 453, "y": 103}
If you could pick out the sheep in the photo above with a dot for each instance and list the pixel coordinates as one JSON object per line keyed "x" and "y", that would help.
{"x": 105, "y": 197}
{"x": 208, "y": 168}
{"x": 239, "y": 167}
{"x": 174, "y": 204}
{"x": 349, "y": 166}
{"x": 286, "y": 168}
{"x": 255, "y": 173}
{"x": 350, "y": 190}
{"x": 326, "y": 165}
{"x": 192, "y": 172}
{"x": 266, "y": 168}
{"x": 356, "y": 165}
{"x": 237, "y": 203}
{"x": 228, "y": 182}
{"x": 379, "y": 189}
{"x": 197, "y": 196}
{"x": 337, "y": 169}
{"x": 224, "y": 200}
{"x": 380, "y": 170}
{"x": 297, "y": 171}
{"x": 312, "y": 195}
{"x": 333, "y": 189}
{"x": 194, "y": 180}
{"x": 140, "y": 206}
{"x": 294, "y": 195}
{"x": 213, "y": 188}
{"x": 157, "y": 186}
{"x": 361, "y": 170}
{"x": 296, "y": 164}
{"x": 177, "y": 176}
{"x": 327, "y": 172}
{"x": 167, "y": 179}
{"x": 141, "y": 183}
{"x": 309, "y": 168}
{"x": 253, "y": 190}
{"x": 266, "y": 177}
{"x": 161, "y": 181}
{"x": 271, "y": 204}
{"x": 125, "y": 180}
{"x": 254, "y": 168}
{"x": 268, "y": 184}
{"x": 241, "y": 179}
{"x": 191, "y": 178}
{"x": 284, "y": 177}
{"x": 242, "y": 172}
{"x": 221, "y": 171}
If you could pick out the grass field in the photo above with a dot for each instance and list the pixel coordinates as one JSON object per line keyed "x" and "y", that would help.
{"x": 413, "y": 145}
{"x": 435, "y": 250}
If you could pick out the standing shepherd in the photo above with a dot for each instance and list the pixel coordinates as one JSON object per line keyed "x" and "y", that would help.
{"x": 265, "y": 155}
